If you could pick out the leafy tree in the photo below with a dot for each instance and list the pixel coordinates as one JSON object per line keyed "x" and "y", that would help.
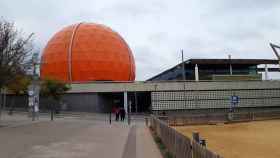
{"x": 18, "y": 85}
{"x": 53, "y": 89}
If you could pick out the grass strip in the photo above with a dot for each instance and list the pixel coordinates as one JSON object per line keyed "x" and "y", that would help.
{"x": 163, "y": 150}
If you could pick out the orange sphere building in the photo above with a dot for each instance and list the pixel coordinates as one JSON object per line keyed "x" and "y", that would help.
{"x": 87, "y": 52}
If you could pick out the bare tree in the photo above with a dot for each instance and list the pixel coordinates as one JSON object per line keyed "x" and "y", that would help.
{"x": 15, "y": 51}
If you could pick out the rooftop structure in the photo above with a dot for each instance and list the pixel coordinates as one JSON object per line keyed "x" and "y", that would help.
{"x": 216, "y": 69}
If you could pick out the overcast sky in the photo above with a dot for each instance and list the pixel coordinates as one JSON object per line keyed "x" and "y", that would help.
{"x": 156, "y": 30}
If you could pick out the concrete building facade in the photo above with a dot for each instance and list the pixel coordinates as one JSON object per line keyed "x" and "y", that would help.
{"x": 162, "y": 96}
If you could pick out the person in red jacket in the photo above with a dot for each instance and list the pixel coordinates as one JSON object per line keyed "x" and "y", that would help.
{"x": 116, "y": 110}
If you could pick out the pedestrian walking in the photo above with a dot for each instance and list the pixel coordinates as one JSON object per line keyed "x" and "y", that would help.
{"x": 122, "y": 113}
{"x": 117, "y": 113}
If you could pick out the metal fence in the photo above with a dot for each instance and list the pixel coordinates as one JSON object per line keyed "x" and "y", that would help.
{"x": 179, "y": 145}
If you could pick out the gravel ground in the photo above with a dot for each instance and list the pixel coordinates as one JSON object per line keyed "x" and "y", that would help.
{"x": 258, "y": 139}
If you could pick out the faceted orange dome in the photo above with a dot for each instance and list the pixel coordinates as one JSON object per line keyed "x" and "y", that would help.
{"x": 87, "y": 52}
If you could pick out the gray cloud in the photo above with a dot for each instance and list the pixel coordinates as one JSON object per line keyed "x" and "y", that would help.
{"x": 157, "y": 30}
{"x": 134, "y": 8}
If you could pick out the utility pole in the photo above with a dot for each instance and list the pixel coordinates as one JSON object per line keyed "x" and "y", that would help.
{"x": 183, "y": 66}
{"x": 230, "y": 66}
{"x": 33, "y": 88}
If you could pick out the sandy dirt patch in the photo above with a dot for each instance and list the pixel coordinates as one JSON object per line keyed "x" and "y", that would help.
{"x": 260, "y": 139}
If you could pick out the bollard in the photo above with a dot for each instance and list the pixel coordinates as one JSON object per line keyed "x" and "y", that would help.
{"x": 196, "y": 136}
{"x": 110, "y": 118}
{"x": 147, "y": 121}
{"x": 202, "y": 142}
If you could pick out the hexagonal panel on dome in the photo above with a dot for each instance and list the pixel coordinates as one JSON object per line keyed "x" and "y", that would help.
{"x": 87, "y": 52}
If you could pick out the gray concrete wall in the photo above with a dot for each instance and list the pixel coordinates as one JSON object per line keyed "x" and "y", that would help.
{"x": 105, "y": 103}
{"x": 196, "y": 112}
{"x": 81, "y": 102}
{"x": 171, "y": 85}
{"x": 86, "y": 97}
{"x": 20, "y": 101}
{"x": 86, "y": 102}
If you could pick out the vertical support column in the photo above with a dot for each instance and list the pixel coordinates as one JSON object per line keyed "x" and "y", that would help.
{"x": 136, "y": 102}
{"x": 196, "y": 73}
{"x": 1, "y": 100}
{"x": 1, "y": 96}
{"x": 266, "y": 72}
{"x": 125, "y": 106}
{"x": 5, "y": 98}
{"x": 129, "y": 106}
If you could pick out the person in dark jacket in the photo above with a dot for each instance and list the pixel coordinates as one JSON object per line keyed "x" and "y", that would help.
{"x": 122, "y": 113}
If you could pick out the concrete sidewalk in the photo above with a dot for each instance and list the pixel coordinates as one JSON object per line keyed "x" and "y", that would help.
{"x": 100, "y": 142}
{"x": 140, "y": 143}
{"x": 71, "y": 138}
{"x": 7, "y": 121}
{"x": 146, "y": 146}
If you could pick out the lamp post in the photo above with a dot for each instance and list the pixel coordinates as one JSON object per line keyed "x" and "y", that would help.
{"x": 33, "y": 90}
{"x": 183, "y": 66}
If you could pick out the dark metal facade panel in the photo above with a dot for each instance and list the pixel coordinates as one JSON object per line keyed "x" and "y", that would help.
{"x": 189, "y": 64}
{"x": 233, "y": 61}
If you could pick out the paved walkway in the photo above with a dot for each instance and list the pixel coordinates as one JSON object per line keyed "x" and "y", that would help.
{"x": 72, "y": 138}
{"x": 146, "y": 147}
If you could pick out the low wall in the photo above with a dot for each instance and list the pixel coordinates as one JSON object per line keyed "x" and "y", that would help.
{"x": 75, "y": 102}
{"x": 212, "y": 118}
{"x": 178, "y": 144}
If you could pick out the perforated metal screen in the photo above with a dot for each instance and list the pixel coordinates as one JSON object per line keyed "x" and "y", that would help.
{"x": 209, "y": 99}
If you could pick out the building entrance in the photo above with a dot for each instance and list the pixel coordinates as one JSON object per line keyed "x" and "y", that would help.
{"x": 137, "y": 102}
